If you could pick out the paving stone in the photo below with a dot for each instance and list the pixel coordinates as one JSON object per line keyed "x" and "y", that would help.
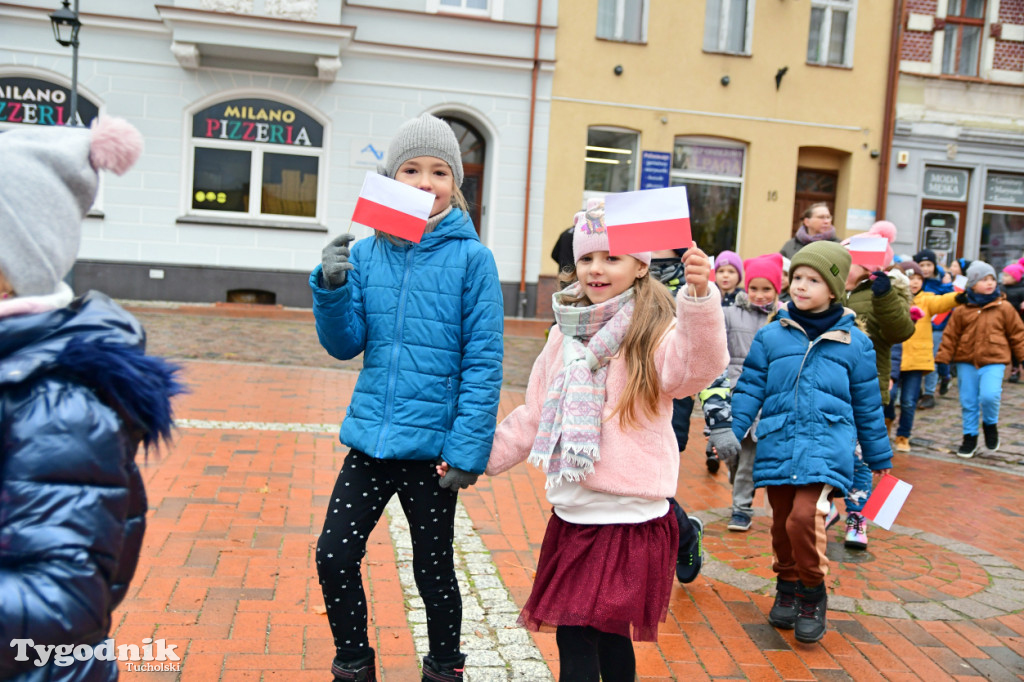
{"x": 932, "y": 611}
{"x": 974, "y": 608}
{"x": 887, "y": 609}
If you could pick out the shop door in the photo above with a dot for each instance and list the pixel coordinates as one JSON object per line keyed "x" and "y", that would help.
{"x": 813, "y": 186}
{"x": 942, "y": 230}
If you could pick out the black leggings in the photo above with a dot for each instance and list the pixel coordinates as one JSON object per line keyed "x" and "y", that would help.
{"x": 589, "y": 655}
{"x": 363, "y": 488}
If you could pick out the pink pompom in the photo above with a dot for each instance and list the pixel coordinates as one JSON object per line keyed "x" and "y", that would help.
{"x": 883, "y": 228}
{"x": 116, "y": 144}
{"x": 916, "y": 313}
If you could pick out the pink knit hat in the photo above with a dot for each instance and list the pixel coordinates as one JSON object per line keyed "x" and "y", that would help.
{"x": 730, "y": 258}
{"x": 768, "y": 266}
{"x": 883, "y": 228}
{"x": 1015, "y": 270}
{"x": 589, "y": 233}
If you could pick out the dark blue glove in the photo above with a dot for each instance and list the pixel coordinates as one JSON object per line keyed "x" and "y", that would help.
{"x": 334, "y": 259}
{"x": 457, "y": 479}
{"x": 882, "y": 283}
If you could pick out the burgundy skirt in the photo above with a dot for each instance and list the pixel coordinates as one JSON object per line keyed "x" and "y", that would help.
{"x": 616, "y": 578}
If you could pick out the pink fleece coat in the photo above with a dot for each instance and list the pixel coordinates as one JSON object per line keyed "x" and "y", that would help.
{"x": 642, "y": 461}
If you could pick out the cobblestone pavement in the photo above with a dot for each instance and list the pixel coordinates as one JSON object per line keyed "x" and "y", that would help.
{"x": 237, "y": 503}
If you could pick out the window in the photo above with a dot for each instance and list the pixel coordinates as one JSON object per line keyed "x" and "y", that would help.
{"x": 961, "y": 47}
{"x": 479, "y": 8}
{"x": 611, "y": 160}
{"x": 256, "y": 157}
{"x": 1002, "y": 221}
{"x": 727, "y": 26}
{"x": 712, "y": 172}
{"x": 622, "y": 20}
{"x": 830, "y": 39}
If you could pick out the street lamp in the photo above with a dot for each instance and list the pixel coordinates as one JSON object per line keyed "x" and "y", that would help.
{"x": 65, "y": 30}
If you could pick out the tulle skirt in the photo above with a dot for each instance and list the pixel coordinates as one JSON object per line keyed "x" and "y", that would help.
{"x": 616, "y": 578}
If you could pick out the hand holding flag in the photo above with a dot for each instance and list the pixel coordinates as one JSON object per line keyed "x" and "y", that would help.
{"x": 393, "y": 207}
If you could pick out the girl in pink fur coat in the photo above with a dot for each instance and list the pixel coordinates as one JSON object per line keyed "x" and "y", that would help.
{"x": 598, "y": 422}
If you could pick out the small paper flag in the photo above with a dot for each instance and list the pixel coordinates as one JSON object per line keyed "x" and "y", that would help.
{"x": 647, "y": 220}
{"x": 886, "y": 500}
{"x": 868, "y": 251}
{"x": 393, "y": 207}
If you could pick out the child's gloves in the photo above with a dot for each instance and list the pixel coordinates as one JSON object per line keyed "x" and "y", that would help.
{"x": 334, "y": 258}
{"x": 457, "y": 479}
{"x": 916, "y": 313}
{"x": 881, "y": 284}
{"x": 726, "y": 445}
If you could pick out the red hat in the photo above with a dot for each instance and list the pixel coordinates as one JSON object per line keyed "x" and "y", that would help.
{"x": 768, "y": 266}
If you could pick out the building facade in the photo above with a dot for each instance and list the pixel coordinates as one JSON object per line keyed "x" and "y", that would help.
{"x": 759, "y": 109}
{"x": 956, "y": 173}
{"x": 261, "y": 119}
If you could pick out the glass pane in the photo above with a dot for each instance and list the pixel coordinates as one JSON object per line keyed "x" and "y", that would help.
{"x": 711, "y": 19}
{"x": 610, "y": 161}
{"x": 452, "y": 3}
{"x": 975, "y": 9}
{"x": 737, "y": 27}
{"x": 706, "y": 159}
{"x": 814, "y": 35}
{"x": 820, "y": 182}
{"x": 632, "y": 24}
{"x": 220, "y": 180}
{"x": 837, "y": 38}
{"x": 714, "y": 213}
{"x": 289, "y": 184}
{"x": 969, "y": 48}
{"x": 949, "y": 48}
{"x": 606, "y": 18}
{"x": 476, "y": 4}
{"x": 1002, "y": 238}
{"x": 953, "y": 9}
{"x": 471, "y": 143}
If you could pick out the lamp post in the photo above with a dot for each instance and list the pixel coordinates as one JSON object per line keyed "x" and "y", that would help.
{"x": 65, "y": 30}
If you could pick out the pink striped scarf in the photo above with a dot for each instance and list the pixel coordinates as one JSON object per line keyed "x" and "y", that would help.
{"x": 569, "y": 433}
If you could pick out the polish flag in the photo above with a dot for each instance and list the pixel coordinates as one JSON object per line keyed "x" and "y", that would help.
{"x": 868, "y": 251}
{"x": 393, "y": 207}
{"x": 647, "y": 220}
{"x": 960, "y": 283}
{"x": 886, "y": 500}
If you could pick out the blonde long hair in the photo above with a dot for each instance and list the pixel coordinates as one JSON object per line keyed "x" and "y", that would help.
{"x": 653, "y": 313}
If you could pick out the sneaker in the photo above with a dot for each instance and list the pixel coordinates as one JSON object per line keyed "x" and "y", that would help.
{"x": 810, "y": 618}
{"x": 363, "y": 670}
{"x": 832, "y": 516}
{"x": 437, "y": 672}
{"x": 785, "y": 608}
{"x": 943, "y": 385}
{"x": 926, "y": 402}
{"x": 739, "y": 522}
{"x": 690, "y": 560}
{"x": 991, "y": 436}
{"x": 902, "y": 444}
{"x": 856, "y": 531}
{"x": 968, "y": 447}
{"x": 712, "y": 463}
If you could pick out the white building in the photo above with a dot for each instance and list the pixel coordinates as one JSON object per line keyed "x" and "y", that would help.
{"x": 299, "y": 99}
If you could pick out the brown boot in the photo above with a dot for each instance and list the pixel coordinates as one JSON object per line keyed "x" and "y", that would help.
{"x": 888, "y": 426}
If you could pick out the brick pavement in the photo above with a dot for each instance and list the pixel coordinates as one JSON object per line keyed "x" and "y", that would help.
{"x": 237, "y": 503}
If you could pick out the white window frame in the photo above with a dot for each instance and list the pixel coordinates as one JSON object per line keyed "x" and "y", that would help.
{"x": 849, "y": 6}
{"x": 723, "y": 27}
{"x": 256, "y": 151}
{"x": 495, "y": 9}
{"x": 741, "y": 181}
{"x": 620, "y": 21}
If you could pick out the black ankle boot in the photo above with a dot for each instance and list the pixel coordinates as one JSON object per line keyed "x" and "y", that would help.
{"x": 363, "y": 670}
{"x": 810, "y": 620}
{"x": 991, "y": 437}
{"x": 443, "y": 671}
{"x": 784, "y": 610}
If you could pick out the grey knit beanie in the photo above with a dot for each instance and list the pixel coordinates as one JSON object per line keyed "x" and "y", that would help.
{"x": 424, "y": 136}
{"x": 828, "y": 259}
{"x": 49, "y": 185}
{"x": 977, "y": 271}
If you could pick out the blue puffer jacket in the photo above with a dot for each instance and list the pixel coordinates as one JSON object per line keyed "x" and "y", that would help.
{"x": 817, "y": 400}
{"x": 429, "y": 318}
{"x": 77, "y": 394}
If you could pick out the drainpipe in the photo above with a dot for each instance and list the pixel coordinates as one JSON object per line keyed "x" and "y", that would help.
{"x": 529, "y": 158}
{"x": 888, "y": 128}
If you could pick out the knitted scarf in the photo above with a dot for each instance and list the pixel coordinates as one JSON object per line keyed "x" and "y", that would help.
{"x": 569, "y": 432}
{"x": 805, "y": 237}
{"x": 981, "y": 300}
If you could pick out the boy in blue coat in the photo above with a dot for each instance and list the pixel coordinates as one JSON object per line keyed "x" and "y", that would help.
{"x": 811, "y": 373}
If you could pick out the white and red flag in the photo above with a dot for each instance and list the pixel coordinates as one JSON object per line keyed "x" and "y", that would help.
{"x": 647, "y": 220}
{"x": 960, "y": 283}
{"x": 868, "y": 251}
{"x": 393, "y": 207}
{"x": 886, "y": 500}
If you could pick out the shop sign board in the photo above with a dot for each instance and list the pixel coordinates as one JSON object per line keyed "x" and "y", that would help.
{"x": 33, "y": 101}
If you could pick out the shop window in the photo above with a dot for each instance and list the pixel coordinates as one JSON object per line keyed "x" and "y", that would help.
{"x": 256, "y": 157}
{"x": 712, "y": 171}
{"x": 830, "y": 38}
{"x": 623, "y": 20}
{"x": 961, "y": 47}
{"x": 611, "y": 160}
{"x": 727, "y": 26}
{"x": 1002, "y": 221}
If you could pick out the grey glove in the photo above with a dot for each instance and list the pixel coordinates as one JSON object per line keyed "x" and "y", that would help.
{"x": 457, "y": 479}
{"x": 334, "y": 258}
{"x": 725, "y": 444}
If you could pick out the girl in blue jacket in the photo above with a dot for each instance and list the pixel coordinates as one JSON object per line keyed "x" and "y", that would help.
{"x": 428, "y": 319}
{"x": 812, "y": 375}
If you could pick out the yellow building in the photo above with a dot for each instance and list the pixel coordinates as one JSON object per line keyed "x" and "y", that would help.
{"x": 760, "y": 109}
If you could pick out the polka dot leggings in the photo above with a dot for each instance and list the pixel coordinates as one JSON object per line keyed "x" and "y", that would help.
{"x": 363, "y": 488}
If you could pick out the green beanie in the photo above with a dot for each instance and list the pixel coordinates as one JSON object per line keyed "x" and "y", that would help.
{"x": 830, "y": 260}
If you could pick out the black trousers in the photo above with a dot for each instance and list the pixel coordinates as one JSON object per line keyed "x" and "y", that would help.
{"x": 586, "y": 654}
{"x": 363, "y": 488}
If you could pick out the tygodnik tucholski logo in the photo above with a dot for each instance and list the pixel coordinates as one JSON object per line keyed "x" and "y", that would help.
{"x": 155, "y": 655}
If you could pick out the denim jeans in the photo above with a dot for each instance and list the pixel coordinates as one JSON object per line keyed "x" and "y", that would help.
{"x": 858, "y": 494}
{"x": 941, "y": 369}
{"x": 908, "y": 392}
{"x": 979, "y": 387}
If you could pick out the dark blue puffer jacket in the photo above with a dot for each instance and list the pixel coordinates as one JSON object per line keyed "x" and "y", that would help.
{"x": 77, "y": 395}
{"x": 429, "y": 319}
